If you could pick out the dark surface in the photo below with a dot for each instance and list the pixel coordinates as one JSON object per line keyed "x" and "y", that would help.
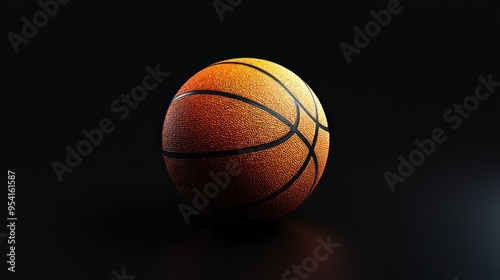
{"x": 118, "y": 208}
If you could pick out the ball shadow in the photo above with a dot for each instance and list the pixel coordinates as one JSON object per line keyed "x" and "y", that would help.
{"x": 257, "y": 251}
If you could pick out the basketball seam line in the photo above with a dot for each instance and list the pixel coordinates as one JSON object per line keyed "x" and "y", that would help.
{"x": 315, "y": 119}
{"x": 315, "y": 139}
{"x": 293, "y": 128}
{"x": 311, "y": 154}
{"x": 214, "y": 154}
{"x": 281, "y": 190}
{"x": 277, "y": 80}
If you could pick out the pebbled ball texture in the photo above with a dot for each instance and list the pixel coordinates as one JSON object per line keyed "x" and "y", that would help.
{"x": 245, "y": 139}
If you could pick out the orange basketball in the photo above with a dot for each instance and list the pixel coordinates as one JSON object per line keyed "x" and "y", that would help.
{"x": 245, "y": 138}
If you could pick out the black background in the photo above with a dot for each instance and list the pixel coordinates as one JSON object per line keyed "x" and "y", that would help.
{"x": 118, "y": 208}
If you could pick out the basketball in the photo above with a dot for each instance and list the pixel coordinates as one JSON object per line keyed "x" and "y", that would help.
{"x": 245, "y": 139}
